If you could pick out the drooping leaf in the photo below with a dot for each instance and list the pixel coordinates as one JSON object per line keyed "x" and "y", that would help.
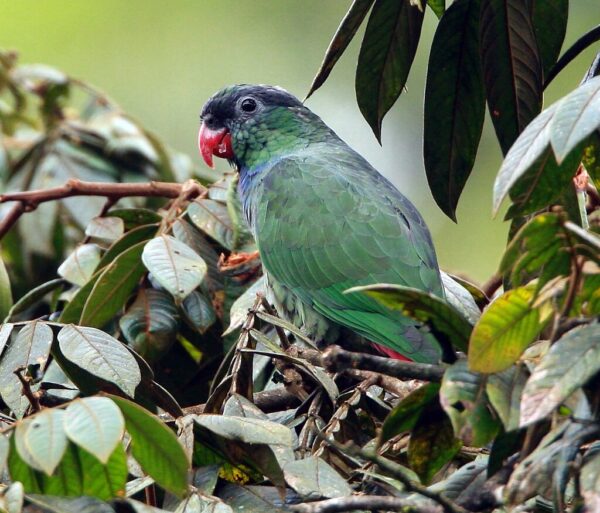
{"x": 512, "y": 67}
{"x": 80, "y": 265}
{"x": 340, "y": 41}
{"x": 313, "y": 477}
{"x": 134, "y": 217}
{"x": 405, "y": 414}
{"x": 461, "y": 295}
{"x": 577, "y": 116}
{"x": 528, "y": 148}
{"x": 45, "y": 438}
{"x": 464, "y": 399}
{"x": 505, "y": 329}
{"x": 150, "y": 323}
{"x": 176, "y": 266}
{"x": 33, "y": 296}
{"x": 454, "y": 104}
{"x": 199, "y": 311}
{"x": 155, "y": 447}
{"x": 241, "y": 306}
{"x": 550, "y": 25}
{"x": 504, "y": 391}
{"x": 444, "y": 320}
{"x": 131, "y": 238}
{"x": 570, "y": 363}
{"x": 386, "y": 54}
{"x": 247, "y": 430}
{"x": 113, "y": 287}
{"x": 30, "y": 347}
{"x": 101, "y": 355}
{"x": 432, "y": 443}
{"x": 96, "y": 424}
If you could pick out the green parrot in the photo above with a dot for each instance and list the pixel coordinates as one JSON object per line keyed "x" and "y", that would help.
{"x": 323, "y": 218}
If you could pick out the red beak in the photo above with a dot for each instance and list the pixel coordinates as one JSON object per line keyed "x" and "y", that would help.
{"x": 214, "y": 142}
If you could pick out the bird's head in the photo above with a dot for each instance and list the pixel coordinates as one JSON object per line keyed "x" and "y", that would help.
{"x": 249, "y": 123}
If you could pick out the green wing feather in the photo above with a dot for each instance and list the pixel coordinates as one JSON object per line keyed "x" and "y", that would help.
{"x": 326, "y": 221}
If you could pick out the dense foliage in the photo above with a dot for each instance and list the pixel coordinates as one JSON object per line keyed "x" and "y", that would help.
{"x": 141, "y": 369}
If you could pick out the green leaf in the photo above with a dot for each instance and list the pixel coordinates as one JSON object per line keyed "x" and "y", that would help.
{"x": 437, "y": 6}
{"x": 33, "y": 296}
{"x": 212, "y": 217}
{"x": 113, "y": 287}
{"x": 454, "y": 104}
{"x": 313, "y": 477}
{"x": 545, "y": 183}
{"x": 432, "y": 443}
{"x": 176, "y": 266}
{"x": 241, "y": 306}
{"x": 464, "y": 399}
{"x": 504, "y": 391}
{"x": 505, "y": 329}
{"x": 12, "y": 498}
{"x": 386, "y": 54}
{"x": 30, "y": 347}
{"x": 69, "y": 504}
{"x": 6, "y": 299}
{"x": 96, "y": 424}
{"x": 541, "y": 245}
{"x": 45, "y": 439}
{"x": 550, "y": 25}
{"x": 528, "y": 148}
{"x": 247, "y": 430}
{"x": 199, "y": 311}
{"x": 4, "y": 448}
{"x": 341, "y": 39}
{"x": 134, "y": 217}
{"x": 72, "y": 312}
{"x": 131, "y": 238}
{"x": 101, "y": 355}
{"x": 405, "y": 414}
{"x": 444, "y": 320}
{"x": 106, "y": 229}
{"x": 571, "y": 362}
{"x": 80, "y": 265}
{"x": 461, "y": 295}
{"x": 150, "y": 323}
{"x": 155, "y": 447}
{"x": 104, "y": 481}
{"x": 512, "y": 67}
{"x": 576, "y": 118}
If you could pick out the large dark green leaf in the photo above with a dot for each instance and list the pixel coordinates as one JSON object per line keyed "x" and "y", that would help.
{"x": 576, "y": 118}
{"x": 550, "y": 25}
{"x": 454, "y": 104}
{"x": 512, "y": 68}
{"x": 104, "y": 480}
{"x": 386, "y": 54}
{"x": 150, "y": 323}
{"x": 131, "y": 238}
{"x": 505, "y": 329}
{"x": 30, "y": 347}
{"x": 101, "y": 355}
{"x": 155, "y": 447}
{"x": 341, "y": 39}
{"x": 529, "y": 148}
{"x": 113, "y": 287}
{"x": 570, "y": 363}
{"x": 464, "y": 399}
{"x": 445, "y": 321}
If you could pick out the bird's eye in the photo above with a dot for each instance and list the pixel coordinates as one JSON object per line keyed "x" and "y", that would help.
{"x": 248, "y": 105}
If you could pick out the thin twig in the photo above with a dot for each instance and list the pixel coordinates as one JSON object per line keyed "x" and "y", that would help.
{"x": 29, "y": 200}
{"x": 27, "y": 392}
{"x": 364, "y": 503}
{"x": 336, "y": 359}
{"x": 285, "y": 343}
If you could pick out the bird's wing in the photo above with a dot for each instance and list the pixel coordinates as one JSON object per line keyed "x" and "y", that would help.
{"x": 330, "y": 222}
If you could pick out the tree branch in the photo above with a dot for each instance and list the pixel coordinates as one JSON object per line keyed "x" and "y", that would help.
{"x": 365, "y": 503}
{"x": 336, "y": 359}
{"x": 29, "y": 200}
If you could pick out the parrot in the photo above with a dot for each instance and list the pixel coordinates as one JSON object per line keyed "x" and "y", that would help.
{"x": 323, "y": 219}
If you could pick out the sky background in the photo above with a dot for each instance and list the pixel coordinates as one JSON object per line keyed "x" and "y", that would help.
{"x": 161, "y": 60}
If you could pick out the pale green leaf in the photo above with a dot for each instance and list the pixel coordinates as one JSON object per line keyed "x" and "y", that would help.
{"x": 45, "y": 439}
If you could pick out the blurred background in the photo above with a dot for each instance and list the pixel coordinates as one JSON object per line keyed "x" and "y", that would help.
{"x": 161, "y": 60}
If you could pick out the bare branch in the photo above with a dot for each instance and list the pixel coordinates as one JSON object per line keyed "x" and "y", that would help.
{"x": 29, "y": 200}
{"x": 336, "y": 359}
{"x": 27, "y": 392}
